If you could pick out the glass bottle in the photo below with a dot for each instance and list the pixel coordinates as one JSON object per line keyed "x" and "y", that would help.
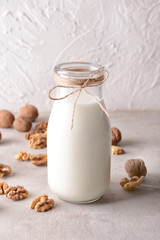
{"x": 78, "y": 158}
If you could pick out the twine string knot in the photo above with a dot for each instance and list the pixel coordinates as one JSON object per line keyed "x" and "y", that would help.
{"x": 78, "y": 85}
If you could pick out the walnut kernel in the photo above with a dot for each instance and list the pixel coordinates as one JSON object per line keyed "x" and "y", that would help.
{"x": 16, "y": 193}
{"x": 42, "y": 126}
{"x": 45, "y": 133}
{"x": 29, "y": 134}
{"x": 3, "y": 187}
{"x": 132, "y": 183}
{"x": 39, "y": 159}
{"x": 23, "y": 156}
{"x": 117, "y": 150}
{"x": 42, "y": 203}
{"x": 4, "y": 170}
{"x": 37, "y": 141}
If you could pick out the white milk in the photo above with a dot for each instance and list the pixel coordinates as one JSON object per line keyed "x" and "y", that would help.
{"x": 78, "y": 159}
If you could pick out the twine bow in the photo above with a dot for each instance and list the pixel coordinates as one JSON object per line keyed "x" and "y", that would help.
{"x": 78, "y": 86}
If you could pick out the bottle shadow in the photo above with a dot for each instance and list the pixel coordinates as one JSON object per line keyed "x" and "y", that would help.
{"x": 117, "y": 194}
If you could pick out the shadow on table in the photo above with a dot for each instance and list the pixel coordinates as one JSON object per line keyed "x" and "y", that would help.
{"x": 7, "y": 141}
{"x": 152, "y": 181}
{"x": 131, "y": 142}
{"x": 117, "y": 194}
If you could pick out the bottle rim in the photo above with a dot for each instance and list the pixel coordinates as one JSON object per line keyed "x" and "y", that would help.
{"x": 77, "y": 69}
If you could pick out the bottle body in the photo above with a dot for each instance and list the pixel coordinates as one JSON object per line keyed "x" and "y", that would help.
{"x": 79, "y": 159}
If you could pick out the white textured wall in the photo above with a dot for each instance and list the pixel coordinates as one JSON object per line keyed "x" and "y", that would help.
{"x": 123, "y": 35}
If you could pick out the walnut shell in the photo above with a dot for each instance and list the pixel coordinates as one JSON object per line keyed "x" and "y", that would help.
{"x": 6, "y": 119}
{"x": 29, "y": 112}
{"x": 135, "y": 167}
{"x": 20, "y": 124}
{"x": 0, "y": 136}
{"x": 116, "y": 136}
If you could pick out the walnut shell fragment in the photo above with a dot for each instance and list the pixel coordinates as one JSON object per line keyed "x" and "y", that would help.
{"x": 42, "y": 203}
{"x": 132, "y": 183}
{"x": 16, "y": 193}
{"x": 135, "y": 167}
{"x": 37, "y": 141}
{"x": 116, "y": 136}
{"x": 3, "y": 187}
{"x": 39, "y": 159}
{"x": 4, "y": 170}
{"x": 117, "y": 150}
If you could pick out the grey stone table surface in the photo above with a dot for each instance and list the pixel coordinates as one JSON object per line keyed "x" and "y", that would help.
{"x": 118, "y": 215}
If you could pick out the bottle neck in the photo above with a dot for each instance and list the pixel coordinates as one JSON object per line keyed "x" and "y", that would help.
{"x": 80, "y": 77}
{"x": 84, "y": 97}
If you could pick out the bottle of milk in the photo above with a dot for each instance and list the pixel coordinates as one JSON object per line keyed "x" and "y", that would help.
{"x": 79, "y": 157}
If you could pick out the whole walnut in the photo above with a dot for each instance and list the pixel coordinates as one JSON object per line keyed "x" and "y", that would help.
{"x": 22, "y": 125}
{"x": 29, "y": 112}
{"x": 135, "y": 167}
{"x": 116, "y": 136}
{"x": 6, "y": 119}
{"x": 0, "y": 136}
